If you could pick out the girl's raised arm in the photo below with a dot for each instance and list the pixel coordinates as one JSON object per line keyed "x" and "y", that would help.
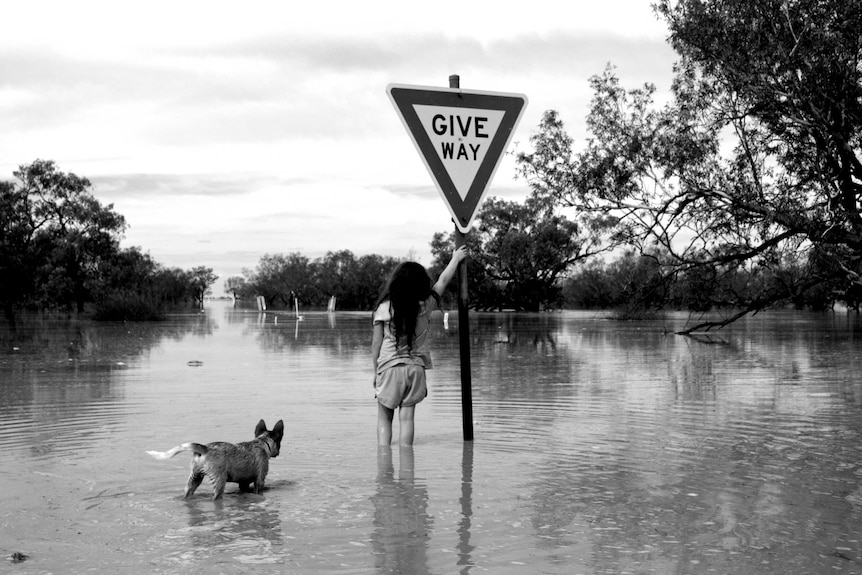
{"x": 446, "y": 276}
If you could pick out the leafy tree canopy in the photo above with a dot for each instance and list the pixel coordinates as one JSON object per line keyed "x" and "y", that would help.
{"x": 519, "y": 251}
{"x": 201, "y": 278}
{"x": 59, "y": 248}
{"x": 753, "y": 162}
{"x": 55, "y": 236}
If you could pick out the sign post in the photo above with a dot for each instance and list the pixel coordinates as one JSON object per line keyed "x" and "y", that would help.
{"x": 464, "y": 325}
{"x": 461, "y": 136}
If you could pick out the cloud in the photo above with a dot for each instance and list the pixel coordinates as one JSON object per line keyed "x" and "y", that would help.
{"x": 277, "y": 87}
{"x": 224, "y": 133}
{"x": 412, "y": 191}
{"x": 120, "y": 186}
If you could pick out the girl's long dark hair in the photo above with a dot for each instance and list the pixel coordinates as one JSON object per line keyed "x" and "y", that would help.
{"x": 407, "y": 287}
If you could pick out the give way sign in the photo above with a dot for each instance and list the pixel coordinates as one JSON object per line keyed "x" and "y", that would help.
{"x": 461, "y": 136}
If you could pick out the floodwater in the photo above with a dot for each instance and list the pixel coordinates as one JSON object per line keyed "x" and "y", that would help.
{"x": 600, "y": 447}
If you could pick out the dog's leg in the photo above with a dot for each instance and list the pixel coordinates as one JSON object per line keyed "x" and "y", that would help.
{"x": 218, "y": 480}
{"x": 259, "y": 481}
{"x": 195, "y": 478}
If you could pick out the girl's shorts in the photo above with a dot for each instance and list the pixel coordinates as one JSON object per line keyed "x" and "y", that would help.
{"x": 401, "y": 385}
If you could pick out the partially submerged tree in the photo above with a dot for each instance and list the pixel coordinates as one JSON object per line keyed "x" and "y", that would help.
{"x": 753, "y": 162}
{"x": 280, "y": 277}
{"x": 201, "y": 278}
{"x": 355, "y": 282}
{"x": 16, "y": 245}
{"x": 520, "y": 251}
{"x": 56, "y": 238}
{"x": 236, "y": 286}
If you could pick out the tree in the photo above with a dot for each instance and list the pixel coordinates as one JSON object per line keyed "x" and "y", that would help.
{"x": 237, "y": 286}
{"x": 753, "y": 161}
{"x": 630, "y": 284}
{"x": 355, "y": 282}
{"x": 485, "y": 293}
{"x": 281, "y": 277}
{"x": 335, "y": 275}
{"x": 590, "y": 287}
{"x": 201, "y": 278}
{"x": 520, "y": 251}
{"x": 127, "y": 288}
{"x": 129, "y": 268}
{"x": 56, "y": 237}
{"x": 59, "y": 247}
{"x": 371, "y": 274}
{"x": 17, "y": 267}
{"x": 172, "y": 286}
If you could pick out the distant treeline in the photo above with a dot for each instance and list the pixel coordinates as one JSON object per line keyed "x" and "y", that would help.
{"x": 59, "y": 250}
{"x": 631, "y": 284}
{"x": 281, "y": 278}
{"x": 739, "y": 190}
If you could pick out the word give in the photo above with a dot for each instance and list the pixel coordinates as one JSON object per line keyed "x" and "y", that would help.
{"x": 461, "y": 127}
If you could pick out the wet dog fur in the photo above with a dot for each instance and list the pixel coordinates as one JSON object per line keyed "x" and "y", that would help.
{"x": 243, "y": 463}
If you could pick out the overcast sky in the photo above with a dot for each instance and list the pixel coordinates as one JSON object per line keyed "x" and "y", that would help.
{"x": 226, "y": 131}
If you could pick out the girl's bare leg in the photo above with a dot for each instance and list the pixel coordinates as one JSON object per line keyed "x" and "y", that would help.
{"x": 384, "y": 424}
{"x": 405, "y": 417}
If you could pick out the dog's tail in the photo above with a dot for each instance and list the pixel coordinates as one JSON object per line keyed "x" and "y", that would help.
{"x": 196, "y": 447}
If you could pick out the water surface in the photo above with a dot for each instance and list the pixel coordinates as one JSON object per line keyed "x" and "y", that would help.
{"x": 600, "y": 447}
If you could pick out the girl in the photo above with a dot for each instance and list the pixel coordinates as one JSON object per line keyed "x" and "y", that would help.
{"x": 399, "y": 347}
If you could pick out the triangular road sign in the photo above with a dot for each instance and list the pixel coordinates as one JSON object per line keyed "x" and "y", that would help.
{"x": 461, "y": 136}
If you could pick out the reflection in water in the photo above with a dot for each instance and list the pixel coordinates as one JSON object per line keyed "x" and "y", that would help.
{"x": 402, "y": 526}
{"x": 465, "y": 548}
{"x": 660, "y": 453}
{"x": 58, "y": 376}
{"x": 281, "y": 331}
{"x": 246, "y": 529}
{"x": 601, "y": 447}
{"x": 718, "y": 453}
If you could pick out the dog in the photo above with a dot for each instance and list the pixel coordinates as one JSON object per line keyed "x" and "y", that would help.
{"x": 244, "y": 463}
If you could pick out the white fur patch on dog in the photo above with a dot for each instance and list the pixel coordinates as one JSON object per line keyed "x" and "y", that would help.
{"x": 161, "y": 454}
{"x": 170, "y": 453}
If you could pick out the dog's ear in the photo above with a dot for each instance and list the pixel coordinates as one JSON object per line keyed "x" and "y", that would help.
{"x": 278, "y": 430}
{"x": 261, "y": 427}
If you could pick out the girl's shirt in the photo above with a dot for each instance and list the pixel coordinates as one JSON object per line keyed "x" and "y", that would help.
{"x": 397, "y": 352}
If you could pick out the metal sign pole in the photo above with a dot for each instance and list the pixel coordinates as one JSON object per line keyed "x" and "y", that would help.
{"x": 464, "y": 343}
{"x": 464, "y": 326}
